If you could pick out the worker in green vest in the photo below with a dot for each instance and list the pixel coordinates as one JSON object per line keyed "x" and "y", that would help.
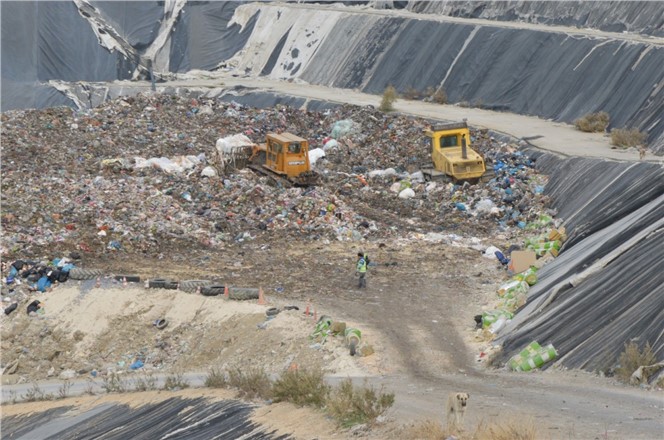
{"x": 362, "y": 263}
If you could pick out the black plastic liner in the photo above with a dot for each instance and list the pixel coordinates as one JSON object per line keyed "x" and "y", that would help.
{"x": 174, "y": 418}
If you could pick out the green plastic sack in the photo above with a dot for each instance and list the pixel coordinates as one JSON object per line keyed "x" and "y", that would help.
{"x": 529, "y": 276}
{"x": 322, "y": 328}
{"x": 511, "y": 304}
{"x": 544, "y": 247}
{"x": 492, "y": 316}
{"x": 512, "y": 288}
{"x": 527, "y": 352}
{"x": 538, "y": 359}
{"x": 351, "y": 333}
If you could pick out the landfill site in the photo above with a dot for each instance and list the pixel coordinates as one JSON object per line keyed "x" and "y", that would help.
{"x": 204, "y": 200}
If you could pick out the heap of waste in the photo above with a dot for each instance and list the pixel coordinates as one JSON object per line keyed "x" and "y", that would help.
{"x": 144, "y": 175}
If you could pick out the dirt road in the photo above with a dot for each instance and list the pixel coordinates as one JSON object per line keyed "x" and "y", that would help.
{"x": 418, "y": 312}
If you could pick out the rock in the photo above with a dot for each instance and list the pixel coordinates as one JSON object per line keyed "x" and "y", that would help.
{"x": 366, "y": 350}
{"x": 11, "y": 367}
{"x": 50, "y": 372}
{"x": 67, "y": 374}
{"x": 338, "y": 327}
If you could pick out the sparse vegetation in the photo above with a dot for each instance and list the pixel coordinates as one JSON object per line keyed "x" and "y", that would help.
{"x": 632, "y": 358}
{"x": 216, "y": 379}
{"x": 112, "y": 383}
{"x": 593, "y": 122}
{"x": 510, "y": 429}
{"x": 63, "y": 391}
{"x": 251, "y": 383}
{"x": 389, "y": 98}
{"x": 302, "y": 387}
{"x": 425, "y": 430}
{"x": 175, "y": 381}
{"x": 90, "y": 387}
{"x": 351, "y": 405}
{"x": 627, "y": 137}
{"x": 147, "y": 382}
{"x": 35, "y": 394}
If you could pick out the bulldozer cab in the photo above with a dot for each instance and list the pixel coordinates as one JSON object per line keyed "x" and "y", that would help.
{"x": 286, "y": 154}
{"x": 452, "y": 154}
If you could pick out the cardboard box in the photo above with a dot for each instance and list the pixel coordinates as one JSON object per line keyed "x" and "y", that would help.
{"x": 521, "y": 261}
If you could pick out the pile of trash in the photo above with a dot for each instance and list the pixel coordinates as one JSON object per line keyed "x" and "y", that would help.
{"x": 522, "y": 265}
{"x": 147, "y": 175}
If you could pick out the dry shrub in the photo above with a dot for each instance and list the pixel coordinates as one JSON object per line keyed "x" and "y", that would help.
{"x": 632, "y": 358}
{"x": 113, "y": 383}
{"x": 251, "y": 383}
{"x": 593, "y": 122}
{"x": 627, "y": 137}
{"x": 175, "y": 381}
{"x": 412, "y": 93}
{"x": 439, "y": 96}
{"x": 353, "y": 406}
{"x": 302, "y": 387}
{"x": 146, "y": 382}
{"x": 510, "y": 429}
{"x": 216, "y": 379}
{"x": 389, "y": 98}
{"x": 425, "y": 430}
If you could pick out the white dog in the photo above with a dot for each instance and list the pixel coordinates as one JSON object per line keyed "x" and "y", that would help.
{"x": 456, "y": 409}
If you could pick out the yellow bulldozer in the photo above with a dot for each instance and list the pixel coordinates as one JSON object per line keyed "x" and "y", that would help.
{"x": 452, "y": 155}
{"x": 285, "y": 158}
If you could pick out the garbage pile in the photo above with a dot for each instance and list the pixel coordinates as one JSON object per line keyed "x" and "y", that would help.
{"x": 141, "y": 175}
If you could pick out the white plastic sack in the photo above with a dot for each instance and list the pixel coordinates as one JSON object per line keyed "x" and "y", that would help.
{"x": 407, "y": 193}
{"x": 490, "y": 252}
{"x": 315, "y": 154}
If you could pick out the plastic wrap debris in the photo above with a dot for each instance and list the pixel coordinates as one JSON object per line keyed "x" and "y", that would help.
{"x": 177, "y": 164}
{"x": 232, "y": 149}
{"x": 344, "y": 128}
{"x": 330, "y": 144}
